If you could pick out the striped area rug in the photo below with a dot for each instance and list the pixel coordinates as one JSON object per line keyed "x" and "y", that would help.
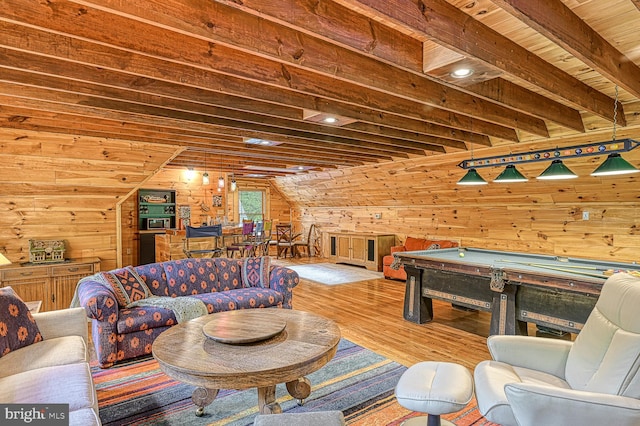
{"x": 358, "y": 382}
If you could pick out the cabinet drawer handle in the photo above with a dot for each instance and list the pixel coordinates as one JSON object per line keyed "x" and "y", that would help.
{"x": 72, "y": 269}
{"x": 26, "y": 274}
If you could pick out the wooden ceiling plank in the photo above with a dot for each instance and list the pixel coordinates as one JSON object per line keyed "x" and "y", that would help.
{"x": 560, "y": 24}
{"x": 27, "y": 38}
{"x": 295, "y": 52}
{"x": 448, "y": 25}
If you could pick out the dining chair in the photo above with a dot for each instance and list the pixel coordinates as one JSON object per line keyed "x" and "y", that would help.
{"x": 240, "y": 246}
{"x": 207, "y": 241}
{"x": 310, "y": 243}
{"x": 284, "y": 240}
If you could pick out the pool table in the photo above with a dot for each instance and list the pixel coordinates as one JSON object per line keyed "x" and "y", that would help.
{"x": 517, "y": 288}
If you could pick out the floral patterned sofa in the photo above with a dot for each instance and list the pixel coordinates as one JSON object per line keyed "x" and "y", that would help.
{"x": 130, "y": 307}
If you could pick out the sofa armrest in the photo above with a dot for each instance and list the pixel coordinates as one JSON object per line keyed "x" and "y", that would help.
{"x": 396, "y": 249}
{"x": 63, "y": 322}
{"x": 283, "y": 280}
{"x": 536, "y": 404}
{"x": 98, "y": 300}
{"x": 548, "y": 355}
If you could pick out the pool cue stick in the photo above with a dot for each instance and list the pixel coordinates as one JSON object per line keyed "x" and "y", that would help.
{"x": 590, "y": 268}
{"x": 555, "y": 268}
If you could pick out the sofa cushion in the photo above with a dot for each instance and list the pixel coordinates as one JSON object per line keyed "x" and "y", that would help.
{"x": 153, "y": 274}
{"x": 17, "y": 327}
{"x": 218, "y": 301}
{"x": 186, "y": 277}
{"x": 144, "y": 317}
{"x": 256, "y": 297}
{"x": 229, "y": 273}
{"x": 64, "y": 384}
{"x": 127, "y": 285}
{"x": 255, "y": 271}
{"x": 47, "y": 353}
{"x": 415, "y": 244}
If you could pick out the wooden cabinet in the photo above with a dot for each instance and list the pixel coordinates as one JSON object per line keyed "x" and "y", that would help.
{"x": 360, "y": 249}
{"x": 154, "y": 205}
{"x": 53, "y": 284}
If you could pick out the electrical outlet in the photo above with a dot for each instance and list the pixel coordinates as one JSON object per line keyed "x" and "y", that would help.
{"x": 378, "y": 215}
{"x": 128, "y": 251}
{"x": 585, "y": 215}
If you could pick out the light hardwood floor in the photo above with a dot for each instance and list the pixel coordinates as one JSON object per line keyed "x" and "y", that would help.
{"x": 369, "y": 314}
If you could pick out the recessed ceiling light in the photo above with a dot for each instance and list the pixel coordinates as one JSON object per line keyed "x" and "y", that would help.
{"x": 258, "y": 141}
{"x": 330, "y": 120}
{"x": 462, "y": 73}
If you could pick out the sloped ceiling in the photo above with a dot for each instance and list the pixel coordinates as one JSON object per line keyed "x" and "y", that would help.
{"x": 211, "y": 76}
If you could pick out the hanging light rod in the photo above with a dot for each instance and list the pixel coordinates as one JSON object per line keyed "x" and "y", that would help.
{"x": 586, "y": 150}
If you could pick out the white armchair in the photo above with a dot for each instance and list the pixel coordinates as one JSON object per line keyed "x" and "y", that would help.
{"x": 592, "y": 381}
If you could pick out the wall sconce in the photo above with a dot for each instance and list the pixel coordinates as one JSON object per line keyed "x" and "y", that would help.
{"x": 190, "y": 174}
{"x": 613, "y": 165}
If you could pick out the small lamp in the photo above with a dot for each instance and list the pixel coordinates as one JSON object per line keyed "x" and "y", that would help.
{"x": 510, "y": 175}
{"x": 4, "y": 261}
{"x": 472, "y": 178}
{"x": 556, "y": 171}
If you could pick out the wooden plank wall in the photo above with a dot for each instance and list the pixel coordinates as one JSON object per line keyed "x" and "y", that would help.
{"x": 419, "y": 197}
{"x": 56, "y": 186}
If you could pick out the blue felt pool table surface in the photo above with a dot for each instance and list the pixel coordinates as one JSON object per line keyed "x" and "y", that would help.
{"x": 536, "y": 263}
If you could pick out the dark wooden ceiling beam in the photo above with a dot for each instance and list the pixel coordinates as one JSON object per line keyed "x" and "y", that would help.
{"x": 92, "y": 113}
{"x": 449, "y": 26}
{"x": 59, "y": 97}
{"x": 208, "y": 102}
{"x": 359, "y": 32}
{"x": 522, "y": 99}
{"x": 49, "y": 66}
{"x": 558, "y": 23}
{"x": 296, "y": 51}
{"x": 27, "y": 38}
{"x": 260, "y": 160}
{"x": 13, "y": 117}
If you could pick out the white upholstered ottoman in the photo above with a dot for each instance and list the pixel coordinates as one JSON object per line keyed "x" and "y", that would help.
{"x": 434, "y": 388}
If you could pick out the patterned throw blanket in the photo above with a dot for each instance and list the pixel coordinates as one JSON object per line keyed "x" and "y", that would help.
{"x": 185, "y": 308}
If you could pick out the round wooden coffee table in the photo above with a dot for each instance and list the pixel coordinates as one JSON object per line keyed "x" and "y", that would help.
{"x": 247, "y": 348}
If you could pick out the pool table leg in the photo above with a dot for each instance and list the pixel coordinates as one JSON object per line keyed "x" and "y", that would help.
{"x": 417, "y": 309}
{"x": 503, "y": 313}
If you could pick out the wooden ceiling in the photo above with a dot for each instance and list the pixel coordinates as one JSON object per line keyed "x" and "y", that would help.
{"x": 213, "y": 76}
